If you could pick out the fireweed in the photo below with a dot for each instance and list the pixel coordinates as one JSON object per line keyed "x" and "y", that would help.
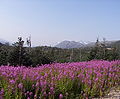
{"x": 60, "y": 80}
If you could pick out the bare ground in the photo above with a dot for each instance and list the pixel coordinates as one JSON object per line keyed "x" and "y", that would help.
{"x": 114, "y": 93}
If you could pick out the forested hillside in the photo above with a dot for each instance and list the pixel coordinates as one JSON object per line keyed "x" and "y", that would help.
{"x": 17, "y": 54}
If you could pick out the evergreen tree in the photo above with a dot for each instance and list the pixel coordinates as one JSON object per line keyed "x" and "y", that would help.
{"x": 100, "y": 51}
{"x": 39, "y": 57}
{"x": 19, "y": 55}
{"x": 4, "y": 55}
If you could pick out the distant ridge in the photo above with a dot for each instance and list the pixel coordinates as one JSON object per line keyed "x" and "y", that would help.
{"x": 69, "y": 44}
{"x": 74, "y": 44}
{"x": 2, "y": 41}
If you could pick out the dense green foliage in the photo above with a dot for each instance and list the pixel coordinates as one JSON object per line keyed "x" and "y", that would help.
{"x": 17, "y": 54}
{"x": 104, "y": 53}
{"x": 4, "y": 55}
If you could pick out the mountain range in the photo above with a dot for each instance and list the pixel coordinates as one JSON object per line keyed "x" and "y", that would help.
{"x": 74, "y": 44}
{"x": 3, "y": 41}
{"x": 69, "y": 44}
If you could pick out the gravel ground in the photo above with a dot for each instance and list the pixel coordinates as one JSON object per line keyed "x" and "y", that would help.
{"x": 113, "y": 94}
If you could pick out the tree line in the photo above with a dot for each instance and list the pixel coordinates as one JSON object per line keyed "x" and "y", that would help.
{"x": 19, "y": 55}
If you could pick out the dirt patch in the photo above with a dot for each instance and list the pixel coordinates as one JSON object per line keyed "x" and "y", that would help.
{"x": 114, "y": 93}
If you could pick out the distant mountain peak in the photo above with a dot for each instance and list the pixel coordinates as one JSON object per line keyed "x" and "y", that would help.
{"x": 69, "y": 44}
{"x": 73, "y": 44}
{"x": 3, "y": 41}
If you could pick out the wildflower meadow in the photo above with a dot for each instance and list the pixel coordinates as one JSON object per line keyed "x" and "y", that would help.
{"x": 76, "y": 80}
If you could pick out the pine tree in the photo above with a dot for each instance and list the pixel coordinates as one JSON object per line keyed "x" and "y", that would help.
{"x": 3, "y": 55}
{"x": 19, "y": 55}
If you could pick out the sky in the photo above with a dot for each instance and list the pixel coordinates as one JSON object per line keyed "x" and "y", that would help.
{"x": 52, "y": 21}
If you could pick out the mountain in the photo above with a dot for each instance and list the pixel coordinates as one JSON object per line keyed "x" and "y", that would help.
{"x": 1, "y": 44}
{"x": 3, "y": 41}
{"x": 69, "y": 44}
{"x": 74, "y": 44}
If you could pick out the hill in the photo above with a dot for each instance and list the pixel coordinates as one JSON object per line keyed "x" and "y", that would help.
{"x": 69, "y": 44}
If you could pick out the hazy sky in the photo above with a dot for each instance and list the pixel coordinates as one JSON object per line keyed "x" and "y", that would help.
{"x": 52, "y": 21}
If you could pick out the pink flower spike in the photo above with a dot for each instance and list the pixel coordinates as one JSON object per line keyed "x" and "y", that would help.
{"x": 60, "y": 96}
